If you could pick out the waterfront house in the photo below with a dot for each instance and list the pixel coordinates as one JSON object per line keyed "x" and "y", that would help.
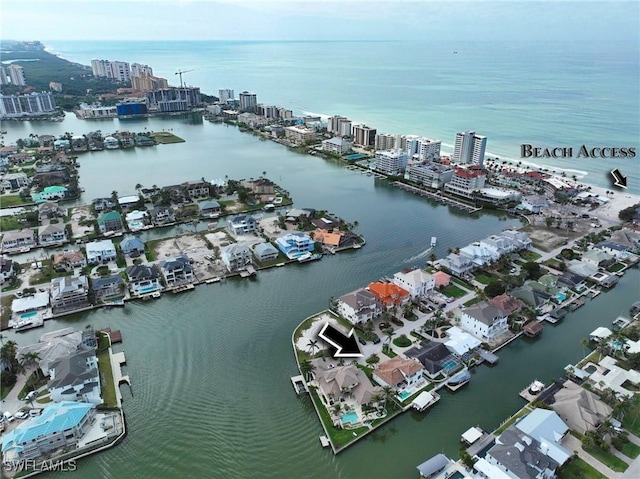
{"x": 608, "y": 375}
{"x": 335, "y": 238}
{"x": 177, "y": 271}
{"x": 111, "y": 221}
{"x": 100, "y": 252}
{"x": 399, "y": 373}
{"x": 359, "y": 306}
{"x": 143, "y": 279}
{"x": 441, "y": 279}
{"x": 75, "y": 377}
{"x": 484, "y": 321}
{"x": 50, "y": 193}
{"x": 69, "y": 292}
{"x": 579, "y": 408}
{"x": 7, "y": 269}
{"x": 132, "y": 246}
{"x": 15, "y": 181}
{"x": 548, "y": 429}
{"x": 533, "y": 203}
{"x": 337, "y": 146}
{"x": 337, "y": 384}
{"x": 111, "y": 143}
{"x": 628, "y": 237}
{"x": 581, "y": 268}
{"x": 110, "y": 287}
{"x": 68, "y": 261}
{"x": 18, "y": 239}
{"x": 517, "y": 455}
{"x": 520, "y": 239}
{"x": 295, "y": 244}
{"x": 61, "y": 425}
{"x": 52, "y": 234}
{"x": 128, "y": 202}
{"x": 236, "y": 257}
{"x": 36, "y": 302}
{"x": 458, "y": 265}
{"x": 598, "y": 258}
{"x": 177, "y": 193}
{"x": 53, "y": 345}
{"x": 295, "y": 214}
{"x": 197, "y": 189}
{"x": 432, "y": 355}
{"x": 532, "y": 293}
{"x": 617, "y": 250}
{"x": 162, "y": 215}
{"x": 389, "y": 294}
{"x": 102, "y": 204}
{"x": 572, "y": 280}
{"x": 265, "y": 252}
{"x": 478, "y": 254}
{"x": 50, "y": 209}
{"x": 418, "y": 282}
{"x": 506, "y": 303}
{"x": 242, "y": 225}
{"x": 498, "y": 245}
{"x": 137, "y": 220}
{"x": 460, "y": 342}
{"x": 261, "y": 186}
{"x": 209, "y": 209}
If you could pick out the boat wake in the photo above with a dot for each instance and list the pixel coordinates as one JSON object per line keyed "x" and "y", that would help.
{"x": 418, "y": 256}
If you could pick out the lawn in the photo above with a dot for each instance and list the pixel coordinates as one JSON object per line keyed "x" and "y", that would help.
{"x": 6, "y": 301}
{"x": 6, "y": 201}
{"x": 578, "y": 469}
{"x": 530, "y": 256}
{"x": 630, "y": 421}
{"x": 108, "y": 392}
{"x": 453, "y": 291}
{"x": 461, "y": 283}
{"x": 485, "y": 278}
{"x": 472, "y": 301}
{"x": 607, "y": 458}
{"x": 165, "y": 137}
{"x": 630, "y": 450}
{"x": 10, "y": 223}
{"x": 614, "y": 268}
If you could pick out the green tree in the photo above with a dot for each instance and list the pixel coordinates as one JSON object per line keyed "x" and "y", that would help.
{"x": 495, "y": 288}
{"x": 373, "y": 359}
{"x": 306, "y": 368}
{"x": 533, "y": 270}
{"x": 313, "y": 346}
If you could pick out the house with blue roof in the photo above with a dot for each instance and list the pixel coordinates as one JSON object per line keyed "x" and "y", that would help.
{"x": 132, "y": 246}
{"x": 60, "y": 425}
{"x": 548, "y": 429}
{"x": 295, "y": 244}
{"x": 265, "y": 252}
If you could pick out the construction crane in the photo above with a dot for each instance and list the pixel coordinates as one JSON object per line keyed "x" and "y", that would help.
{"x": 180, "y": 72}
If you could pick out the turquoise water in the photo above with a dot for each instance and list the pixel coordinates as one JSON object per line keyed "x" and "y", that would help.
{"x": 456, "y": 475}
{"x": 404, "y": 395}
{"x": 449, "y": 365}
{"x": 350, "y": 417}
{"x": 518, "y": 92}
{"x": 148, "y": 289}
{"x": 561, "y": 296}
{"x": 29, "y": 315}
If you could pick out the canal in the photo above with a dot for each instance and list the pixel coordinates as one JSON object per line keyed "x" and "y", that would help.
{"x": 210, "y": 368}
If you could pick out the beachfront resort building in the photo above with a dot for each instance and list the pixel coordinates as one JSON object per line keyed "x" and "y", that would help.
{"x": 391, "y": 162}
{"x": 75, "y": 377}
{"x": 469, "y": 148}
{"x": 363, "y": 135}
{"x": 295, "y": 244}
{"x": 60, "y": 425}
{"x": 466, "y": 182}
{"x": 358, "y": 306}
{"x": 432, "y": 175}
{"x": 299, "y": 135}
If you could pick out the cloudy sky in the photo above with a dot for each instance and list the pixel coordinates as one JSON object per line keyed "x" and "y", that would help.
{"x": 319, "y": 20}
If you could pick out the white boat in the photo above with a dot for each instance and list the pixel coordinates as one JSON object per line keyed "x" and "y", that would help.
{"x": 357, "y": 246}
{"x": 155, "y": 294}
{"x": 269, "y": 207}
{"x": 434, "y": 240}
{"x": 308, "y": 256}
{"x": 535, "y": 388}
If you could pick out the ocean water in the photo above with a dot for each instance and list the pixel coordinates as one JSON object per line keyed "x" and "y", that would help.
{"x": 546, "y": 94}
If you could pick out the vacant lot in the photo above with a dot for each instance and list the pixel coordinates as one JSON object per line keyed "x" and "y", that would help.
{"x": 196, "y": 248}
{"x": 81, "y": 214}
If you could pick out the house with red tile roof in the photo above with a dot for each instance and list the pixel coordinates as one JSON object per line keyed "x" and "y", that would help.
{"x": 399, "y": 373}
{"x": 389, "y": 294}
{"x": 506, "y": 303}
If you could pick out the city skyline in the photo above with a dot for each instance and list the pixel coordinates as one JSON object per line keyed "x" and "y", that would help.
{"x": 321, "y": 20}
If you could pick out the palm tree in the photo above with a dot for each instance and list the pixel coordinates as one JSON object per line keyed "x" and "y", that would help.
{"x": 389, "y": 333}
{"x": 29, "y": 359}
{"x": 313, "y": 346}
{"x": 306, "y": 368}
{"x": 138, "y": 186}
{"x": 389, "y": 392}
{"x": 585, "y": 343}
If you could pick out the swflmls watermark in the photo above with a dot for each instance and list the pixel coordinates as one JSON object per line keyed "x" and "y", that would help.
{"x": 584, "y": 151}
{"x": 31, "y": 465}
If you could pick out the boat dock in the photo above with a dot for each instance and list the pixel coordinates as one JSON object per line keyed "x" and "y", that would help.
{"x": 183, "y": 287}
{"x": 250, "y": 271}
{"x": 324, "y": 441}
{"x": 575, "y": 304}
{"x": 299, "y": 384}
{"x": 532, "y": 391}
{"x": 484, "y": 441}
{"x": 425, "y": 400}
{"x": 458, "y": 380}
{"x": 437, "y": 196}
{"x": 488, "y": 356}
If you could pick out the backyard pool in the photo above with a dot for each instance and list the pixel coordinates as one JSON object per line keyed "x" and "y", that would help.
{"x": 404, "y": 395}
{"x": 449, "y": 365}
{"x": 350, "y": 417}
{"x": 29, "y": 315}
{"x": 148, "y": 289}
{"x": 561, "y": 297}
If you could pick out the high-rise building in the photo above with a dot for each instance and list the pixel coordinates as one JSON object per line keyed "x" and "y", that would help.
{"x": 138, "y": 70}
{"x": 391, "y": 162}
{"x": 3, "y": 76}
{"x": 465, "y": 182}
{"x": 225, "y": 94}
{"x": 420, "y": 149}
{"x": 149, "y": 83}
{"x": 364, "y": 135}
{"x": 16, "y": 74}
{"x": 386, "y": 141}
{"x": 117, "y": 70}
{"x": 173, "y": 99}
{"x": 248, "y": 102}
{"x": 339, "y": 125}
{"x": 32, "y": 104}
{"x": 469, "y": 148}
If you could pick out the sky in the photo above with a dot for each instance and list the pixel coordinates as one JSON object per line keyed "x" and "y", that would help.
{"x": 580, "y": 20}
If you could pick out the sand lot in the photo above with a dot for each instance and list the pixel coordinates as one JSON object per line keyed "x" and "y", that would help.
{"x": 302, "y": 343}
{"x": 80, "y": 213}
{"x": 194, "y": 246}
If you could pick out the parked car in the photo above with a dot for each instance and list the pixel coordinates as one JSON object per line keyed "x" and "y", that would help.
{"x": 8, "y": 416}
{"x": 362, "y": 341}
{"x": 449, "y": 300}
{"x": 35, "y": 412}
{"x": 22, "y": 415}
{"x": 31, "y": 395}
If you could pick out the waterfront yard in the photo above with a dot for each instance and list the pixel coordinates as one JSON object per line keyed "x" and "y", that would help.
{"x": 165, "y": 137}
{"x": 8, "y": 201}
{"x": 106, "y": 374}
{"x": 453, "y": 291}
{"x": 196, "y": 246}
{"x": 579, "y": 469}
{"x": 82, "y": 219}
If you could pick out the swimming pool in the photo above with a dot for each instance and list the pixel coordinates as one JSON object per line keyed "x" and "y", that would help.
{"x": 28, "y": 315}
{"x": 350, "y": 417}
{"x": 404, "y": 395}
{"x": 148, "y": 289}
{"x": 561, "y": 297}
{"x": 449, "y": 365}
{"x": 456, "y": 475}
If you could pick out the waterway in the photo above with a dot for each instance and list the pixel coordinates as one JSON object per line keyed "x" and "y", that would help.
{"x": 210, "y": 368}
